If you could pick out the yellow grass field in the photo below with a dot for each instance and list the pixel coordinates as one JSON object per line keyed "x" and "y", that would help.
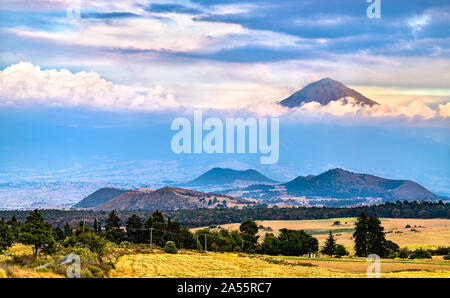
{"x": 20, "y": 272}
{"x": 431, "y": 233}
{"x": 228, "y": 265}
{"x": 210, "y": 265}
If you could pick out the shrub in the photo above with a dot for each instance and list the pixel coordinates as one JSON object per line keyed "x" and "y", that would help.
{"x": 440, "y": 251}
{"x": 84, "y": 237}
{"x": 170, "y": 247}
{"x": 125, "y": 244}
{"x": 340, "y": 251}
{"x": 447, "y": 257}
{"x": 390, "y": 254}
{"x": 420, "y": 254}
{"x": 404, "y": 253}
{"x": 111, "y": 246}
{"x": 391, "y": 246}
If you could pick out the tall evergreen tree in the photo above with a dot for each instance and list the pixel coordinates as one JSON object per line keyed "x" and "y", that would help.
{"x": 330, "y": 245}
{"x": 361, "y": 235}
{"x": 376, "y": 241}
{"x": 97, "y": 227}
{"x": 15, "y": 227}
{"x": 173, "y": 230}
{"x": 370, "y": 237}
{"x": 249, "y": 229}
{"x": 135, "y": 229}
{"x": 187, "y": 238}
{"x": 158, "y": 223}
{"x": 6, "y": 236}
{"x": 37, "y": 233}
{"x": 112, "y": 228}
{"x": 58, "y": 234}
{"x": 67, "y": 230}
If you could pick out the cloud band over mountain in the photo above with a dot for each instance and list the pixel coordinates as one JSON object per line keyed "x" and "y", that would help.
{"x": 25, "y": 84}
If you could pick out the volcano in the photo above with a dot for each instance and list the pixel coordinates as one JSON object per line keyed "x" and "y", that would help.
{"x": 323, "y": 92}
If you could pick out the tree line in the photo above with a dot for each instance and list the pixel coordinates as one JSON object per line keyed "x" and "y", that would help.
{"x": 207, "y": 217}
{"x": 159, "y": 231}
{"x": 156, "y": 230}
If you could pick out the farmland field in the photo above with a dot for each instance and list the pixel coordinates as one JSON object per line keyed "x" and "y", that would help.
{"x": 425, "y": 233}
{"x": 190, "y": 265}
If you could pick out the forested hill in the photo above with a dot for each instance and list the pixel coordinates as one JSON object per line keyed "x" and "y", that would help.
{"x": 206, "y": 217}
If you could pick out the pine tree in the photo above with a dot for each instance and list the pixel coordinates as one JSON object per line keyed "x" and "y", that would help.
{"x": 159, "y": 225}
{"x": 6, "y": 236}
{"x": 376, "y": 241}
{"x": 249, "y": 230}
{"x": 135, "y": 229}
{"x": 173, "y": 232}
{"x": 361, "y": 235}
{"x": 97, "y": 227}
{"x": 15, "y": 226}
{"x": 58, "y": 234}
{"x": 330, "y": 245}
{"x": 369, "y": 237}
{"x": 37, "y": 233}
{"x": 112, "y": 228}
{"x": 67, "y": 230}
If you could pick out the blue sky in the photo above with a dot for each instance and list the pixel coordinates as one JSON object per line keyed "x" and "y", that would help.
{"x": 103, "y": 88}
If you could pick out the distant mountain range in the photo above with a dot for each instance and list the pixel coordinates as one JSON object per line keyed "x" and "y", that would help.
{"x": 100, "y": 196}
{"x": 166, "y": 198}
{"x": 336, "y": 186}
{"x": 221, "y": 176}
{"x": 324, "y": 91}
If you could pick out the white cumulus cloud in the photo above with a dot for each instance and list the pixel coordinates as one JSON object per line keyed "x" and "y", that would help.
{"x": 25, "y": 83}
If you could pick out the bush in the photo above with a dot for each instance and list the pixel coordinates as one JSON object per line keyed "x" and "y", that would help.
{"x": 404, "y": 253}
{"x": 391, "y": 249}
{"x": 440, "y": 251}
{"x": 340, "y": 251}
{"x": 420, "y": 254}
{"x": 447, "y": 257}
{"x": 125, "y": 244}
{"x": 170, "y": 247}
{"x": 390, "y": 254}
{"x": 84, "y": 237}
{"x": 111, "y": 245}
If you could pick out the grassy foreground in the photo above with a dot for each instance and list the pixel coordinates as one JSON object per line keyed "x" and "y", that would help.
{"x": 229, "y": 265}
{"x": 16, "y": 271}
{"x": 132, "y": 263}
